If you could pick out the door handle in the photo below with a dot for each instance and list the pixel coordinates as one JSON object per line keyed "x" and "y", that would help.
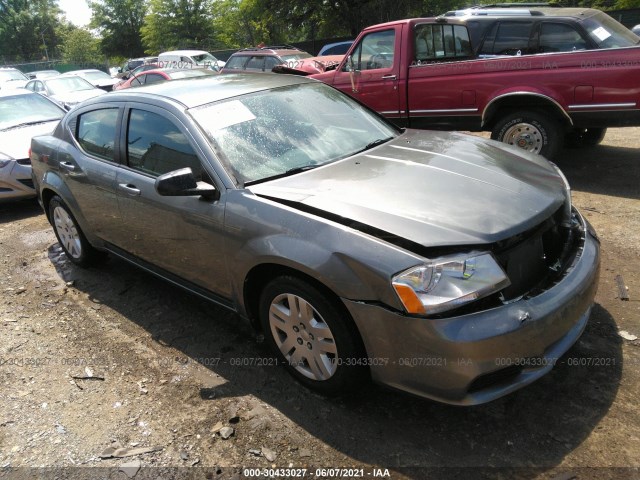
{"x": 390, "y": 77}
{"x": 70, "y": 167}
{"x": 130, "y": 189}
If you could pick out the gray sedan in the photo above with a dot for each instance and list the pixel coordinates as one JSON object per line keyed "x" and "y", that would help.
{"x": 444, "y": 265}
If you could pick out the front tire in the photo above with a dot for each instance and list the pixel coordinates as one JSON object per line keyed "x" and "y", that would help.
{"x": 530, "y": 131}
{"x": 312, "y": 335}
{"x": 70, "y": 236}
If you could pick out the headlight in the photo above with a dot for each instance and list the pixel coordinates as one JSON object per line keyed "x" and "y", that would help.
{"x": 449, "y": 282}
{"x": 5, "y": 160}
{"x": 566, "y": 217}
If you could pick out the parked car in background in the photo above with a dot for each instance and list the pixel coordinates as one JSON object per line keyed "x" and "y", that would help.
{"x": 162, "y": 75}
{"x": 535, "y": 79}
{"x": 23, "y": 114}
{"x": 12, "y": 78}
{"x": 67, "y": 90}
{"x": 43, "y": 74}
{"x": 189, "y": 59}
{"x": 133, "y": 63}
{"x": 446, "y": 265}
{"x": 263, "y": 59}
{"x": 338, "y": 48}
{"x": 636, "y": 30}
{"x": 95, "y": 77}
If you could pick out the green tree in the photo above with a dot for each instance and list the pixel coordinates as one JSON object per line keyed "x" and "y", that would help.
{"x": 176, "y": 24}
{"x": 28, "y": 29}
{"x": 119, "y": 22}
{"x": 79, "y": 46}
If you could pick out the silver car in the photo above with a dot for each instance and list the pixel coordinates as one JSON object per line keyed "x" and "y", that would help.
{"x": 67, "y": 90}
{"x": 23, "y": 114}
{"x": 441, "y": 264}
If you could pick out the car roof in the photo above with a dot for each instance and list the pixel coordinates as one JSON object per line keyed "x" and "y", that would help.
{"x": 528, "y": 12}
{"x": 15, "y": 91}
{"x": 207, "y": 89}
{"x": 183, "y": 52}
{"x": 273, "y": 50}
{"x": 86, "y": 70}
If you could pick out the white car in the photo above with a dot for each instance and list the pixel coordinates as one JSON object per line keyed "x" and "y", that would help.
{"x": 23, "y": 115}
{"x": 12, "y": 78}
{"x": 67, "y": 90}
{"x": 95, "y": 77}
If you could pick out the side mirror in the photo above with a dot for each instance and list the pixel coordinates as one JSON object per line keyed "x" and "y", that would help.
{"x": 182, "y": 183}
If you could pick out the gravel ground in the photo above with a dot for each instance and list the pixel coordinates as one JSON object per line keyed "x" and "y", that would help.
{"x": 111, "y": 369}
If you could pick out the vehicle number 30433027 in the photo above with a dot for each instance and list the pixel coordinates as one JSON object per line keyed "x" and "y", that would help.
{"x": 337, "y": 472}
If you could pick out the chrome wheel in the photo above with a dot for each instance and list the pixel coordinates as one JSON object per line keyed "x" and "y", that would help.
{"x": 303, "y": 337}
{"x": 67, "y": 232}
{"x": 525, "y": 136}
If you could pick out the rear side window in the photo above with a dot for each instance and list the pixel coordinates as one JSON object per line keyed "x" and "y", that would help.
{"x": 508, "y": 38}
{"x": 434, "y": 42}
{"x": 255, "y": 63}
{"x": 559, "y": 37}
{"x": 155, "y": 145}
{"x": 154, "y": 78}
{"x": 96, "y": 132}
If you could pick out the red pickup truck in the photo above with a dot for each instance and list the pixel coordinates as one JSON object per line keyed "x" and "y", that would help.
{"x": 531, "y": 80}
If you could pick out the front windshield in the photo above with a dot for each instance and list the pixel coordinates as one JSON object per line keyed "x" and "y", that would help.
{"x": 31, "y": 108}
{"x": 60, "y": 85}
{"x": 6, "y": 75}
{"x": 272, "y": 132}
{"x": 608, "y": 33}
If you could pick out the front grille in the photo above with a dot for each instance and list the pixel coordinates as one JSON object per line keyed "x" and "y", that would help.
{"x": 26, "y": 183}
{"x": 24, "y": 161}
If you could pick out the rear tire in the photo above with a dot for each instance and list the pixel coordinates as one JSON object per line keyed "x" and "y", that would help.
{"x": 312, "y": 335}
{"x": 530, "y": 131}
{"x": 70, "y": 236}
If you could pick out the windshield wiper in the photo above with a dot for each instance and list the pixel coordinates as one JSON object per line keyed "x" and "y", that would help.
{"x": 291, "y": 171}
{"x": 33, "y": 122}
{"x": 375, "y": 143}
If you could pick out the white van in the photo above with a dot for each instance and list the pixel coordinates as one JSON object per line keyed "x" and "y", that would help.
{"x": 189, "y": 59}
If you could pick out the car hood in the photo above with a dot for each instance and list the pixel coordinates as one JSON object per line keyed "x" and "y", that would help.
{"x": 15, "y": 142}
{"x": 77, "y": 96}
{"x": 434, "y": 189}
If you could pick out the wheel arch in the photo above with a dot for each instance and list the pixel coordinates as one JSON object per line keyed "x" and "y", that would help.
{"x": 515, "y": 101}
{"x": 260, "y": 275}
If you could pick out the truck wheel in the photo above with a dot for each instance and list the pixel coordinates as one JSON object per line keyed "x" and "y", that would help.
{"x": 70, "y": 237}
{"x": 585, "y": 137}
{"x": 312, "y": 336}
{"x": 530, "y": 131}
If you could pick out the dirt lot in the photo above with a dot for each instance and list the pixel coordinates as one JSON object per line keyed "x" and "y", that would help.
{"x": 114, "y": 357}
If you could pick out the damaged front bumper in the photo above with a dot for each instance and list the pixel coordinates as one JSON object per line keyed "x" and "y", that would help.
{"x": 478, "y": 357}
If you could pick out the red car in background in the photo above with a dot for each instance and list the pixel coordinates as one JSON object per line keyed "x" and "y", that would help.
{"x": 162, "y": 75}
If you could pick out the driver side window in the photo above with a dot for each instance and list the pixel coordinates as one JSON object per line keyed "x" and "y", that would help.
{"x": 374, "y": 51}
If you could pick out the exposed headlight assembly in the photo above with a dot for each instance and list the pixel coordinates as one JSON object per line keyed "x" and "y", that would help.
{"x": 449, "y": 282}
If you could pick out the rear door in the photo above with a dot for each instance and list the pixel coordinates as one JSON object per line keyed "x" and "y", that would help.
{"x": 89, "y": 163}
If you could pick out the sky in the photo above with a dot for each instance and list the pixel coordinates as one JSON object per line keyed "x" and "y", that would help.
{"x": 76, "y": 11}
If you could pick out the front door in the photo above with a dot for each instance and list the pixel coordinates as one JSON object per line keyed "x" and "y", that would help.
{"x": 182, "y": 235}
